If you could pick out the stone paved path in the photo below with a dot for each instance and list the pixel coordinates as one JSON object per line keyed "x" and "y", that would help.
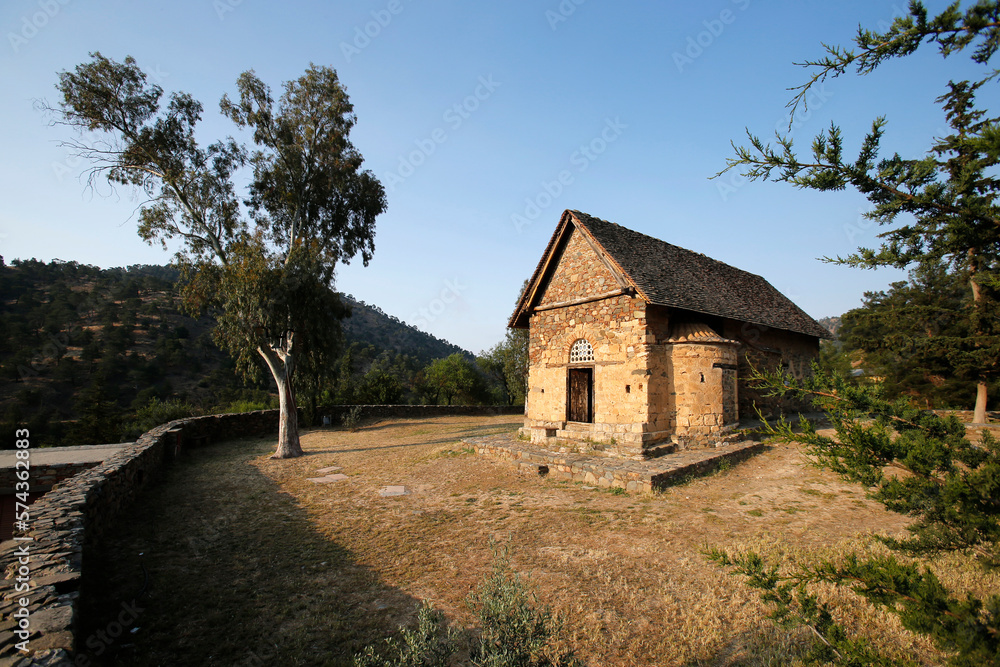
{"x": 633, "y": 476}
{"x": 60, "y": 455}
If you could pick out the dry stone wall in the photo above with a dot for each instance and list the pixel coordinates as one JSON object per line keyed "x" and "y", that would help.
{"x": 336, "y": 413}
{"x": 80, "y": 508}
{"x": 43, "y": 567}
{"x": 43, "y": 477}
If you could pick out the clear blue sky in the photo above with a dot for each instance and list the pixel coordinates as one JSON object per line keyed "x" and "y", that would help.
{"x": 469, "y": 112}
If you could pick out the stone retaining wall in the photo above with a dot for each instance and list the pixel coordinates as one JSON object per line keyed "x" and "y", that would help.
{"x": 80, "y": 508}
{"x": 965, "y": 416}
{"x": 77, "y": 511}
{"x": 607, "y": 472}
{"x": 43, "y": 477}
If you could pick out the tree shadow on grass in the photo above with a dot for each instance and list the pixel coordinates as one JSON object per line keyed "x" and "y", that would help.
{"x": 214, "y": 565}
{"x": 766, "y": 644}
{"x": 387, "y": 424}
{"x": 456, "y": 438}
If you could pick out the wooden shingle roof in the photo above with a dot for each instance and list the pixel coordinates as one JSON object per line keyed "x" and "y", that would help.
{"x": 668, "y": 275}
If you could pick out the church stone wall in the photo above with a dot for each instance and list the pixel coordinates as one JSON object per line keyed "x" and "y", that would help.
{"x": 702, "y": 387}
{"x": 767, "y": 348}
{"x": 615, "y": 328}
{"x": 647, "y": 388}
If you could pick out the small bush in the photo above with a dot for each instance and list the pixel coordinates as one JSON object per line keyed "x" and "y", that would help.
{"x": 245, "y": 405}
{"x": 352, "y": 418}
{"x": 154, "y": 413}
{"x": 513, "y": 631}
{"x": 430, "y": 645}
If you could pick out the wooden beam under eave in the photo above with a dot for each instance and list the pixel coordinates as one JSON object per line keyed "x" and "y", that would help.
{"x": 586, "y": 299}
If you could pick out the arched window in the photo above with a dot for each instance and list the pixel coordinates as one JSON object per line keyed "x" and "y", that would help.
{"x": 580, "y": 352}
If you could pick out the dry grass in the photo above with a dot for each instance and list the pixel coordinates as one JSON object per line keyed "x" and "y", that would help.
{"x": 251, "y": 563}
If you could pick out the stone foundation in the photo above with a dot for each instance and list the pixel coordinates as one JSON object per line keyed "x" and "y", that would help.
{"x": 603, "y": 472}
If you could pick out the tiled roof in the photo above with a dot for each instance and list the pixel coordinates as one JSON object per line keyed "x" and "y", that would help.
{"x": 696, "y": 332}
{"x": 669, "y": 275}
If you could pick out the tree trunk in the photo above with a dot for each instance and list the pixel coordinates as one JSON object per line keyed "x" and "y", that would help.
{"x": 979, "y": 414}
{"x": 281, "y": 365}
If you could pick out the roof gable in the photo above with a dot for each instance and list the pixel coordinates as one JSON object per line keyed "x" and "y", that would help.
{"x": 577, "y": 272}
{"x": 668, "y": 275}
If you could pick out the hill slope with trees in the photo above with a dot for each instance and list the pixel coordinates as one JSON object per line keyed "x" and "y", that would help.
{"x": 99, "y": 355}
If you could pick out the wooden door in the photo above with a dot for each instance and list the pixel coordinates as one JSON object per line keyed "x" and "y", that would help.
{"x": 581, "y": 394}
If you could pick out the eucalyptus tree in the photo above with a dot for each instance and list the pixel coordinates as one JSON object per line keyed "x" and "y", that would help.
{"x": 948, "y": 198}
{"x": 268, "y": 269}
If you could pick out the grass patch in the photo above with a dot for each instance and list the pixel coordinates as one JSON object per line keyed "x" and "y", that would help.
{"x": 249, "y": 563}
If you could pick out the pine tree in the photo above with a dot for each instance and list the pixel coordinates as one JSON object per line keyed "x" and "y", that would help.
{"x": 916, "y": 338}
{"x": 951, "y": 193}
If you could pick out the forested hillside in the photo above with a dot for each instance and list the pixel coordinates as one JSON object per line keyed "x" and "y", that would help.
{"x": 368, "y": 325}
{"x": 100, "y": 355}
{"x": 82, "y": 347}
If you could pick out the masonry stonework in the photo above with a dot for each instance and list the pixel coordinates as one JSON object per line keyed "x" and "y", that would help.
{"x": 662, "y": 375}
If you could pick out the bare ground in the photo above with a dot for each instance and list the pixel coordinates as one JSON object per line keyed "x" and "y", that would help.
{"x": 249, "y": 562}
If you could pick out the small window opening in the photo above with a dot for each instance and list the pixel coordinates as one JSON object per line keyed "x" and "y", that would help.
{"x": 581, "y": 351}
{"x": 702, "y": 376}
{"x": 628, "y": 389}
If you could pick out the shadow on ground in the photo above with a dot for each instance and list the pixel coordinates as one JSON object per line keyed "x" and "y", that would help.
{"x": 215, "y": 566}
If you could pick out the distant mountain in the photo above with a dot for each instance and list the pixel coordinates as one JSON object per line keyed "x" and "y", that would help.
{"x": 81, "y": 343}
{"x": 78, "y": 340}
{"x": 369, "y": 325}
{"x": 831, "y": 324}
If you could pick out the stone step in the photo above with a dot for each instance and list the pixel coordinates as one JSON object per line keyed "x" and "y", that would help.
{"x": 591, "y": 468}
{"x": 574, "y": 434}
{"x": 659, "y": 450}
{"x": 579, "y": 427}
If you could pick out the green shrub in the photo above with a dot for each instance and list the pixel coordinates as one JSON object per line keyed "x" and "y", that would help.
{"x": 245, "y": 405}
{"x": 513, "y": 631}
{"x": 154, "y": 413}
{"x": 352, "y": 418}
{"x": 430, "y": 645}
